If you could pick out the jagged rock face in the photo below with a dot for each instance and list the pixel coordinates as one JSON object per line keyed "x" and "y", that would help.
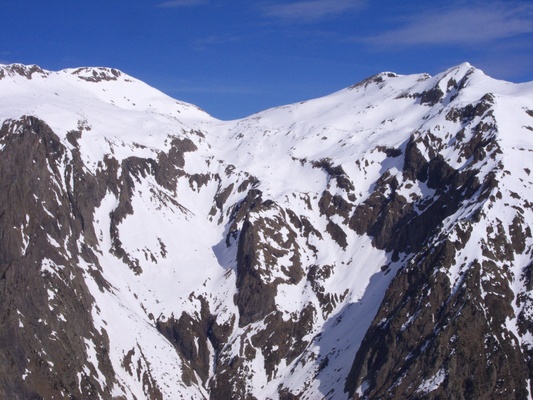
{"x": 45, "y": 299}
{"x": 375, "y": 243}
{"x": 440, "y": 338}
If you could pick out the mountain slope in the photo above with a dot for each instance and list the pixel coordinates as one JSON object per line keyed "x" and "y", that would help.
{"x": 361, "y": 245}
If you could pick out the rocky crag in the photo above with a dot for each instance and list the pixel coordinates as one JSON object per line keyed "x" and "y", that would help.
{"x": 374, "y": 243}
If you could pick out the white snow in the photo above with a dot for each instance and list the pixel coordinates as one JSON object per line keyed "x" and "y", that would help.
{"x": 181, "y": 247}
{"x": 433, "y": 383}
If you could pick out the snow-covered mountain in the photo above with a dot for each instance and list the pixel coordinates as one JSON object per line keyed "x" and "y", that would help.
{"x": 373, "y": 243}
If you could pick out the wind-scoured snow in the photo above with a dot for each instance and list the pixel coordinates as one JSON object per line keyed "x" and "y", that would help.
{"x": 181, "y": 243}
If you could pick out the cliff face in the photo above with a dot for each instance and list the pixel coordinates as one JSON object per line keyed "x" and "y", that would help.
{"x": 49, "y": 343}
{"x": 374, "y": 243}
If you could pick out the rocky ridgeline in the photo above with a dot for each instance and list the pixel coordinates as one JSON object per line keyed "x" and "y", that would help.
{"x": 406, "y": 273}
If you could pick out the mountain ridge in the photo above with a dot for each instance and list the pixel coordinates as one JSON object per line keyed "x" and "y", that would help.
{"x": 335, "y": 248}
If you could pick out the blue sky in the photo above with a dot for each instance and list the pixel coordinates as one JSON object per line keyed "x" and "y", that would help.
{"x": 233, "y": 58}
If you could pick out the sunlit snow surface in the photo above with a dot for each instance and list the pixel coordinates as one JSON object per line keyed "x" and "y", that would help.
{"x": 125, "y": 117}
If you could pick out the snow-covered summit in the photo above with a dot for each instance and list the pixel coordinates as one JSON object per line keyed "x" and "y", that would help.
{"x": 373, "y": 243}
{"x": 26, "y": 71}
{"x": 104, "y": 95}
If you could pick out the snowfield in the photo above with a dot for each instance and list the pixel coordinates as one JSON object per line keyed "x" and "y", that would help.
{"x": 226, "y": 256}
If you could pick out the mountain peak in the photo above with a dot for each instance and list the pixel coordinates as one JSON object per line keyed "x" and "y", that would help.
{"x": 459, "y": 73}
{"x": 25, "y": 71}
{"x": 97, "y": 74}
{"x": 464, "y": 66}
{"x": 374, "y": 79}
{"x": 88, "y": 74}
{"x": 150, "y": 251}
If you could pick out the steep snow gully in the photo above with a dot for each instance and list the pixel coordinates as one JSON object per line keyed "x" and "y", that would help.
{"x": 373, "y": 243}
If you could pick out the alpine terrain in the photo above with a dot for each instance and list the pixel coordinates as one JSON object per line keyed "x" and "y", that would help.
{"x": 373, "y": 243}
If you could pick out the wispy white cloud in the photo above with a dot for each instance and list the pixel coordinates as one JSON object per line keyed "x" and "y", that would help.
{"x": 182, "y": 3}
{"x": 461, "y": 24}
{"x": 312, "y": 10}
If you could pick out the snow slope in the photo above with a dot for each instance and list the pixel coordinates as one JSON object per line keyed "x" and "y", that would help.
{"x": 248, "y": 257}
